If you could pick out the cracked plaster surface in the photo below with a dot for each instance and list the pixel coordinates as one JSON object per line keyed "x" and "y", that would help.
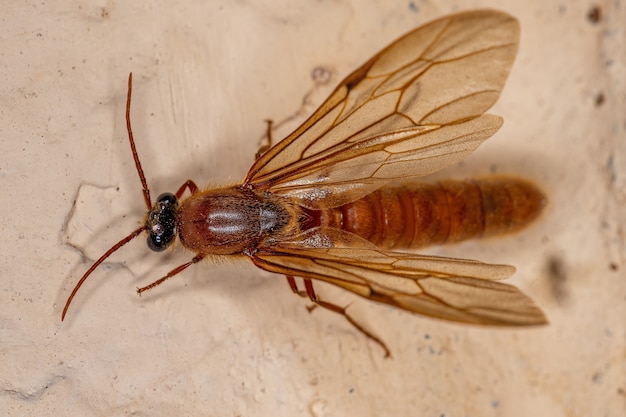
{"x": 227, "y": 339}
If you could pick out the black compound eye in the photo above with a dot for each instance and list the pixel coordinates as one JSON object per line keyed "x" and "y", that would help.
{"x": 167, "y": 198}
{"x": 161, "y": 223}
{"x": 158, "y": 242}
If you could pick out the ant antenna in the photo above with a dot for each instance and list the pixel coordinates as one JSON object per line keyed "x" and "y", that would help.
{"x": 146, "y": 196}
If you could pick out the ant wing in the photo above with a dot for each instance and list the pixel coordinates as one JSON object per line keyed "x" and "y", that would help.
{"x": 414, "y": 108}
{"x": 457, "y": 290}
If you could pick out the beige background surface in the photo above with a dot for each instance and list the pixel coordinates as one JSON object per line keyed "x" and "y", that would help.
{"x": 227, "y": 339}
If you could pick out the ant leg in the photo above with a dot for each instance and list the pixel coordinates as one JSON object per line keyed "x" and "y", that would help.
{"x": 268, "y": 135}
{"x": 170, "y": 274}
{"x": 187, "y": 185}
{"x": 310, "y": 292}
{"x": 294, "y": 287}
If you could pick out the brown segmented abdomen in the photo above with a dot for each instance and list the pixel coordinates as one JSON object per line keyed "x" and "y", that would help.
{"x": 418, "y": 215}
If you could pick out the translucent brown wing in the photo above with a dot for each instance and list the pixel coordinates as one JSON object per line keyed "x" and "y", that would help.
{"x": 451, "y": 289}
{"x": 412, "y": 109}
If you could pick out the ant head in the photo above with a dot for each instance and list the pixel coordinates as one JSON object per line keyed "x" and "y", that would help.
{"x": 161, "y": 222}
